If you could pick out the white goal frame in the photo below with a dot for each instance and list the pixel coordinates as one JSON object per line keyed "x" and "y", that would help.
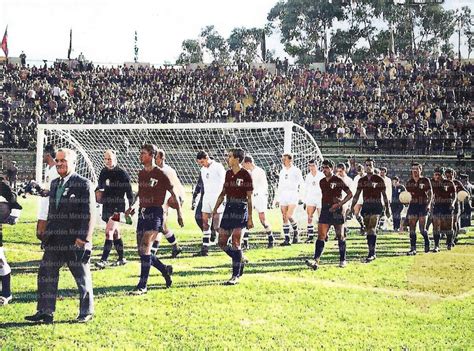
{"x": 294, "y": 135}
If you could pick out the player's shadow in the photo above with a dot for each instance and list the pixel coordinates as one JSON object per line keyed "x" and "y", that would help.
{"x": 26, "y": 267}
{"x": 27, "y": 324}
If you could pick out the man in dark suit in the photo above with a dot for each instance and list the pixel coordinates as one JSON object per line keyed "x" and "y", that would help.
{"x": 67, "y": 240}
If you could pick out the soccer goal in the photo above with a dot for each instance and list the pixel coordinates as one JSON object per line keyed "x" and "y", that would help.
{"x": 181, "y": 142}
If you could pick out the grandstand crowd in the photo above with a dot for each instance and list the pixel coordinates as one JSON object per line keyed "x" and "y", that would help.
{"x": 428, "y": 105}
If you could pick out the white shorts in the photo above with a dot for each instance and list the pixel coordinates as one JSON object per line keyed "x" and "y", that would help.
{"x": 4, "y": 266}
{"x": 314, "y": 201}
{"x": 260, "y": 202}
{"x": 288, "y": 198}
{"x": 208, "y": 203}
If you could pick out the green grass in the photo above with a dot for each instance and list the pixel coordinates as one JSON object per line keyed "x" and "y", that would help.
{"x": 396, "y": 302}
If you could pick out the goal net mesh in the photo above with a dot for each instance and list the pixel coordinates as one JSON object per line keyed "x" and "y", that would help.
{"x": 181, "y": 142}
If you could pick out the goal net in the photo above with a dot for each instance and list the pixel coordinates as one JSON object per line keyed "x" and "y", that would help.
{"x": 181, "y": 142}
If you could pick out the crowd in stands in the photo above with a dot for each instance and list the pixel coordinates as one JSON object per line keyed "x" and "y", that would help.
{"x": 416, "y": 104}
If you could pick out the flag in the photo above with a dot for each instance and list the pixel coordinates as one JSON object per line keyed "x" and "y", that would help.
{"x": 4, "y": 42}
{"x": 70, "y": 45}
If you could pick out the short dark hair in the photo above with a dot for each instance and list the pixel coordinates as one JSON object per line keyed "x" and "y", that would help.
{"x": 328, "y": 163}
{"x": 238, "y": 153}
{"x": 449, "y": 170}
{"x": 151, "y": 148}
{"x": 383, "y": 169}
{"x": 396, "y": 178}
{"x": 248, "y": 159}
{"x": 161, "y": 153}
{"x": 417, "y": 164}
{"x": 311, "y": 162}
{"x": 50, "y": 149}
{"x": 439, "y": 170}
{"x": 287, "y": 154}
{"x": 341, "y": 166}
{"x": 370, "y": 160}
{"x": 201, "y": 155}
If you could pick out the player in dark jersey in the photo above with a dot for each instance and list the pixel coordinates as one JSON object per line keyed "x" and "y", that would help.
{"x": 113, "y": 186}
{"x": 444, "y": 195}
{"x": 421, "y": 193}
{"x": 451, "y": 175}
{"x": 237, "y": 191}
{"x": 331, "y": 213}
{"x": 372, "y": 187}
{"x": 152, "y": 187}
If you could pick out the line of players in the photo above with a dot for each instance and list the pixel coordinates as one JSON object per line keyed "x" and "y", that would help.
{"x": 244, "y": 187}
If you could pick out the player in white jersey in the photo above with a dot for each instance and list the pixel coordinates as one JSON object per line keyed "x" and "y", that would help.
{"x": 259, "y": 197}
{"x": 49, "y": 156}
{"x": 289, "y": 183}
{"x": 358, "y": 207}
{"x": 178, "y": 189}
{"x": 213, "y": 177}
{"x": 312, "y": 196}
{"x": 388, "y": 190}
{"x": 341, "y": 172}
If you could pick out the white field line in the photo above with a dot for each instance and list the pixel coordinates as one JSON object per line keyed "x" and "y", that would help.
{"x": 350, "y": 286}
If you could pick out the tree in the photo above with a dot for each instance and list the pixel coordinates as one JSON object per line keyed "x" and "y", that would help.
{"x": 215, "y": 44}
{"x": 304, "y": 26}
{"x": 245, "y": 43}
{"x": 192, "y": 52}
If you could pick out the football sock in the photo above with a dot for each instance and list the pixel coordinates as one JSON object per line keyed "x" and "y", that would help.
{"x": 206, "y": 237}
{"x": 412, "y": 241}
{"x": 360, "y": 220}
{"x": 436, "y": 237}
{"x": 342, "y": 249}
{"x": 286, "y": 231}
{"x": 319, "y": 248}
{"x": 246, "y": 236}
{"x": 371, "y": 241}
{"x": 154, "y": 247}
{"x": 155, "y": 262}
{"x": 294, "y": 226}
{"x": 107, "y": 248}
{"x": 170, "y": 237}
{"x": 310, "y": 229}
{"x": 118, "y": 244}
{"x": 424, "y": 234}
{"x": 6, "y": 290}
{"x": 236, "y": 261}
{"x": 145, "y": 261}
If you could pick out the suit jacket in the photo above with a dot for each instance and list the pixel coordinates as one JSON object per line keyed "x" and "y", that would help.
{"x": 73, "y": 218}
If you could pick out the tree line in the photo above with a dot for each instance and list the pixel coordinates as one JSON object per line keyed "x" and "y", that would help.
{"x": 324, "y": 30}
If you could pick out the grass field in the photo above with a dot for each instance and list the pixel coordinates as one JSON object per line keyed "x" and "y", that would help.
{"x": 396, "y": 302}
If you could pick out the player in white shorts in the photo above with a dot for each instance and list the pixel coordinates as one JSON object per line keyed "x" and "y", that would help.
{"x": 289, "y": 183}
{"x": 178, "y": 189}
{"x": 49, "y": 156}
{"x": 360, "y": 201}
{"x": 388, "y": 190}
{"x": 259, "y": 198}
{"x": 312, "y": 196}
{"x": 213, "y": 177}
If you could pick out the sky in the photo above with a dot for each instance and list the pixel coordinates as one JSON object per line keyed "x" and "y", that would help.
{"x": 103, "y": 30}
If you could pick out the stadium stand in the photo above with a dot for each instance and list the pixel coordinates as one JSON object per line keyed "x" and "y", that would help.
{"x": 373, "y": 108}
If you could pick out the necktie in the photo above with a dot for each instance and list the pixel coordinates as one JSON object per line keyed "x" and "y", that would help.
{"x": 59, "y": 191}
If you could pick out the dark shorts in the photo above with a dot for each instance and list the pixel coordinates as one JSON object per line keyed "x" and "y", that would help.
{"x": 235, "y": 216}
{"x": 417, "y": 210}
{"x": 149, "y": 219}
{"x": 331, "y": 218}
{"x": 371, "y": 210}
{"x": 442, "y": 210}
{"x": 108, "y": 211}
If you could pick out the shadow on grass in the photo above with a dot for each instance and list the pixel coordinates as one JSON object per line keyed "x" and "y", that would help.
{"x": 27, "y": 324}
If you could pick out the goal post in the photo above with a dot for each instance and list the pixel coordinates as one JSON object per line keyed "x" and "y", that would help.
{"x": 181, "y": 142}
